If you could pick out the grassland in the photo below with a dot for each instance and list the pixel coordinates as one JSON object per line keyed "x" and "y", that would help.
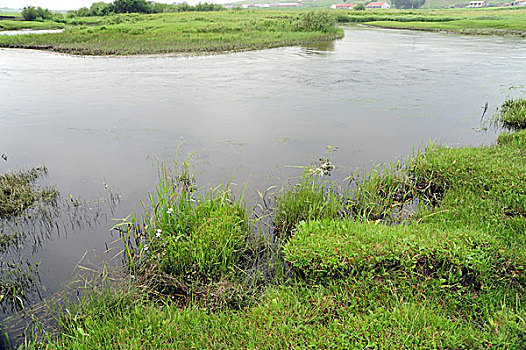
{"x": 18, "y": 25}
{"x": 499, "y": 21}
{"x": 426, "y": 253}
{"x": 132, "y": 34}
{"x": 239, "y": 30}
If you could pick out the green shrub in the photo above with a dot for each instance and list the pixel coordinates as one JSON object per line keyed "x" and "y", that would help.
{"x": 512, "y": 114}
{"x": 317, "y": 21}
{"x": 29, "y": 13}
{"x": 360, "y": 7}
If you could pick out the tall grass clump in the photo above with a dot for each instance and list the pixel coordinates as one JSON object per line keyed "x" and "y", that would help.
{"x": 380, "y": 194}
{"x": 512, "y": 114}
{"x": 312, "y": 198}
{"x": 317, "y": 21}
{"x": 187, "y": 239}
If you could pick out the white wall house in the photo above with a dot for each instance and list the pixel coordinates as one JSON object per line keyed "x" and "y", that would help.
{"x": 477, "y": 4}
{"x": 348, "y": 6}
{"x": 378, "y": 5}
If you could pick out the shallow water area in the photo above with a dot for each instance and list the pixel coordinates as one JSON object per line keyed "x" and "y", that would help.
{"x": 102, "y": 123}
{"x": 31, "y": 31}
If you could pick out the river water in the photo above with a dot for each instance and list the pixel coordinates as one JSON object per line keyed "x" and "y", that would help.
{"x": 102, "y": 124}
{"x": 31, "y": 31}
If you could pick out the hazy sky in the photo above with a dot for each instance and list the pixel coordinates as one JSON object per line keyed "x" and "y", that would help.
{"x": 75, "y": 4}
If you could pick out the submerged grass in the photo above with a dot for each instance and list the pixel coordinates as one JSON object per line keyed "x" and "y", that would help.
{"x": 132, "y": 34}
{"x": 452, "y": 276}
{"x": 18, "y": 191}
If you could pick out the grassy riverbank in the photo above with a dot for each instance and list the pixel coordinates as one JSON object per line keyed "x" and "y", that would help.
{"x": 499, "y": 21}
{"x": 35, "y": 25}
{"x": 426, "y": 253}
{"x": 131, "y": 34}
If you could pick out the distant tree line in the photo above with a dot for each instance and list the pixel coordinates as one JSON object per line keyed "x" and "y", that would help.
{"x": 139, "y": 6}
{"x": 30, "y": 13}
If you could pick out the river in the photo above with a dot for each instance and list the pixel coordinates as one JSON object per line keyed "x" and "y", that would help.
{"x": 103, "y": 123}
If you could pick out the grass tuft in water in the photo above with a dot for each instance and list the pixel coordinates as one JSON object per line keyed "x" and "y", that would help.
{"x": 18, "y": 191}
{"x": 194, "y": 242}
{"x": 512, "y": 114}
{"x": 312, "y": 198}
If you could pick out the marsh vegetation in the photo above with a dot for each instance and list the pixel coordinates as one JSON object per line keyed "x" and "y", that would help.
{"x": 434, "y": 243}
{"x": 188, "y": 32}
{"x": 499, "y": 21}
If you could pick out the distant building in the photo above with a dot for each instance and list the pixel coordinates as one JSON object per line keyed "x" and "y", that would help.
{"x": 287, "y": 4}
{"x": 519, "y": 3}
{"x": 378, "y": 5}
{"x": 348, "y": 6}
{"x": 477, "y": 4}
{"x": 279, "y": 4}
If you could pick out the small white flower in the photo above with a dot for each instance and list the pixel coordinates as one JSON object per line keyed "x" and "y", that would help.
{"x": 146, "y": 248}
{"x": 170, "y": 210}
{"x": 158, "y": 234}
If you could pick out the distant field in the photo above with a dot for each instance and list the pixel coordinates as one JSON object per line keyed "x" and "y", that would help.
{"x": 321, "y": 4}
{"x": 499, "y": 21}
{"x": 16, "y": 25}
{"x": 188, "y": 32}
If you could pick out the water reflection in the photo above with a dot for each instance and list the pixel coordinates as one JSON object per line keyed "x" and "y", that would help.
{"x": 23, "y": 236}
{"x": 319, "y": 48}
{"x": 31, "y": 31}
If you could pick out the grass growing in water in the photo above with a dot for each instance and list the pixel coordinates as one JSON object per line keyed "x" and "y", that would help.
{"x": 18, "y": 191}
{"x": 512, "y": 114}
{"x": 312, "y": 198}
{"x": 194, "y": 241}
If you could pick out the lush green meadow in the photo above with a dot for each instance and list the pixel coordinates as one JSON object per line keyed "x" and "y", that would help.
{"x": 190, "y": 32}
{"x": 238, "y": 30}
{"x": 498, "y": 21}
{"x": 426, "y": 253}
{"x": 37, "y": 25}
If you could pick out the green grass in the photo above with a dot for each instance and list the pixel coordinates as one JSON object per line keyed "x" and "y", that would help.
{"x": 36, "y": 25}
{"x": 221, "y": 31}
{"x": 451, "y": 275}
{"x": 311, "y": 198}
{"x": 358, "y": 316}
{"x": 512, "y": 114}
{"x": 194, "y": 242}
{"x": 484, "y": 21}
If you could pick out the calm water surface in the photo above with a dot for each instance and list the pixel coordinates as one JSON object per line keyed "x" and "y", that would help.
{"x": 375, "y": 95}
{"x": 31, "y": 31}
